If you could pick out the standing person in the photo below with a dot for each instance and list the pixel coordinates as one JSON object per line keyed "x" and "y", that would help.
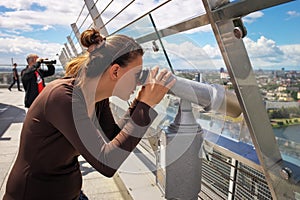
{"x": 15, "y": 78}
{"x": 72, "y": 117}
{"x": 33, "y": 78}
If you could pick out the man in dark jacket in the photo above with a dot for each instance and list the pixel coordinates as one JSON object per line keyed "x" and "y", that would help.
{"x": 33, "y": 78}
{"x": 15, "y": 78}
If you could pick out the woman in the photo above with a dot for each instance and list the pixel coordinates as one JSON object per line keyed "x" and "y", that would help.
{"x": 71, "y": 117}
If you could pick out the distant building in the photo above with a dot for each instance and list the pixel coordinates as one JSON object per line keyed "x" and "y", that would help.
{"x": 224, "y": 76}
{"x": 278, "y": 105}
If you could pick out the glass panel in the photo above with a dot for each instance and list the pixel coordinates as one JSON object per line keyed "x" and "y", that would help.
{"x": 195, "y": 55}
{"x": 273, "y": 46}
{"x": 195, "y": 59}
{"x": 133, "y": 10}
{"x": 166, "y": 15}
{"x": 153, "y": 55}
{"x": 177, "y": 11}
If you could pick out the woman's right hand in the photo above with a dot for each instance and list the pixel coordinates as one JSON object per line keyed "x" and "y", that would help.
{"x": 156, "y": 86}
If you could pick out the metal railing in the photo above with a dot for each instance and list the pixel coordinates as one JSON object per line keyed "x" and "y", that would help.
{"x": 225, "y": 173}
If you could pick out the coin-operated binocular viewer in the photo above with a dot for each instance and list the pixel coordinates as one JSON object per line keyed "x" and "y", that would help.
{"x": 178, "y": 161}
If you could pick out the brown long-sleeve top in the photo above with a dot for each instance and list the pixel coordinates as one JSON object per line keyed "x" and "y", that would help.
{"x": 57, "y": 130}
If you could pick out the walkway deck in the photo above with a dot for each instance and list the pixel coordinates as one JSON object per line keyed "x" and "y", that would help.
{"x": 12, "y": 113}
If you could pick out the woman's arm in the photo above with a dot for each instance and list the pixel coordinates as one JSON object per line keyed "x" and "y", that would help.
{"x": 73, "y": 122}
{"x": 106, "y": 119}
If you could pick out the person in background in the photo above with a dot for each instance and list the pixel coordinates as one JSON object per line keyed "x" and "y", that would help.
{"x": 72, "y": 117}
{"x": 33, "y": 78}
{"x": 15, "y": 78}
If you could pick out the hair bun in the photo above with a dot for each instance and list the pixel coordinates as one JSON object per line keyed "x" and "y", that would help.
{"x": 90, "y": 37}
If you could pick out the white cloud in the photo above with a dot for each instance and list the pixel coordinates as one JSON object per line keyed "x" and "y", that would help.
{"x": 252, "y": 17}
{"x": 190, "y": 55}
{"x": 18, "y": 47}
{"x": 165, "y": 16}
{"x": 47, "y": 27}
{"x": 292, "y": 14}
{"x": 265, "y": 53}
{"x": 25, "y": 19}
{"x": 263, "y": 47}
{"x": 25, "y": 16}
{"x": 292, "y": 54}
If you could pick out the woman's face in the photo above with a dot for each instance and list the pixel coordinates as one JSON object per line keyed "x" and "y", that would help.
{"x": 126, "y": 84}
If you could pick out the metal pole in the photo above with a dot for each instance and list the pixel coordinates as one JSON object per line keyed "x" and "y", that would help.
{"x": 96, "y": 16}
{"x": 179, "y": 165}
{"x": 77, "y": 35}
{"x": 72, "y": 46}
{"x": 68, "y": 50}
{"x": 63, "y": 59}
{"x": 65, "y": 53}
{"x": 159, "y": 38}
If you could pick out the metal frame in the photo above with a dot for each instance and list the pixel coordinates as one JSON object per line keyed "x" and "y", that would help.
{"x": 96, "y": 16}
{"x": 68, "y": 52}
{"x": 239, "y": 67}
{"x": 77, "y": 34}
{"x": 72, "y": 46}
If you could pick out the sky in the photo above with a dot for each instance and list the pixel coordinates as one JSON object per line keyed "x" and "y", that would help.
{"x": 42, "y": 27}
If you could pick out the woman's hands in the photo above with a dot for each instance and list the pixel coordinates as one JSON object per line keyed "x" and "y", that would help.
{"x": 156, "y": 86}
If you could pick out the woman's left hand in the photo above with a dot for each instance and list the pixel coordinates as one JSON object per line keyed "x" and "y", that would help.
{"x": 156, "y": 86}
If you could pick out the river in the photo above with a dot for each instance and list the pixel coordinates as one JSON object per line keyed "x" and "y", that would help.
{"x": 291, "y": 133}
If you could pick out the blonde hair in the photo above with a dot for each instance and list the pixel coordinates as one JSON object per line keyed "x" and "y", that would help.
{"x": 30, "y": 57}
{"x": 115, "y": 49}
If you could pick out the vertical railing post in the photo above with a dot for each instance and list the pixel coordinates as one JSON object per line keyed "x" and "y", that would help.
{"x": 72, "y": 46}
{"x": 66, "y": 54}
{"x": 77, "y": 34}
{"x": 63, "y": 59}
{"x": 98, "y": 23}
{"x": 68, "y": 50}
{"x": 232, "y": 179}
{"x": 178, "y": 161}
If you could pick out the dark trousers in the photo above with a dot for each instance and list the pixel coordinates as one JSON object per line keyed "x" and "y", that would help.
{"x": 12, "y": 84}
{"x": 83, "y": 196}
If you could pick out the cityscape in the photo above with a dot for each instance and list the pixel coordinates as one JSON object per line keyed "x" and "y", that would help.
{"x": 280, "y": 92}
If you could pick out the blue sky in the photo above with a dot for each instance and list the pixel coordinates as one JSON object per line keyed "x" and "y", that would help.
{"x": 41, "y": 26}
{"x": 280, "y": 23}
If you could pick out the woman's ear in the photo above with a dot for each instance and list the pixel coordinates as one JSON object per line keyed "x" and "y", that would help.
{"x": 113, "y": 71}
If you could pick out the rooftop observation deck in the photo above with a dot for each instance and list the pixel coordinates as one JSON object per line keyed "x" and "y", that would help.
{"x": 12, "y": 114}
{"x": 124, "y": 185}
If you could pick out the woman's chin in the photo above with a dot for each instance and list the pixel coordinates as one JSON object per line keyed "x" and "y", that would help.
{"x": 124, "y": 98}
